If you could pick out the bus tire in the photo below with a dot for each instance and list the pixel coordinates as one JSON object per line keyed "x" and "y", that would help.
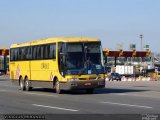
{"x": 28, "y": 84}
{"x": 21, "y": 84}
{"x": 89, "y": 91}
{"x": 57, "y": 87}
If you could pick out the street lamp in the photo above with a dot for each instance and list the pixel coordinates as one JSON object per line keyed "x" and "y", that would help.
{"x": 141, "y": 37}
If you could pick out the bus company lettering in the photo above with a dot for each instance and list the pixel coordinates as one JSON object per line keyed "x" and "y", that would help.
{"x": 44, "y": 65}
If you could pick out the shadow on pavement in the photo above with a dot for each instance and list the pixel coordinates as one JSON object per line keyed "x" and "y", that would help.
{"x": 104, "y": 91}
{"x": 96, "y": 91}
{"x": 116, "y": 90}
{"x": 43, "y": 90}
{"x": 4, "y": 79}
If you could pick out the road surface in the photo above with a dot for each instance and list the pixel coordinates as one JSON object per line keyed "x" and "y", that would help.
{"x": 116, "y": 98}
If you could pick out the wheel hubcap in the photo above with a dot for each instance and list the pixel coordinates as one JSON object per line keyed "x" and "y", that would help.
{"x": 21, "y": 84}
{"x": 27, "y": 84}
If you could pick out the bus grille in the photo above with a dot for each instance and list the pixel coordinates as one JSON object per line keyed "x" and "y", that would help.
{"x": 91, "y": 78}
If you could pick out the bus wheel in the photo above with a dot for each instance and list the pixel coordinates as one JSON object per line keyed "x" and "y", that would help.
{"x": 27, "y": 84}
{"x": 89, "y": 91}
{"x": 21, "y": 84}
{"x": 57, "y": 86}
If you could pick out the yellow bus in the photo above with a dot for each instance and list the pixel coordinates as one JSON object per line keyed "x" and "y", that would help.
{"x": 67, "y": 63}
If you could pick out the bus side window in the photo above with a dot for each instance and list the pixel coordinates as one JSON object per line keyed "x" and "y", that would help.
{"x": 19, "y": 57}
{"x": 42, "y": 50}
{"x": 38, "y": 52}
{"x": 27, "y": 53}
{"x": 34, "y": 53}
{"x": 16, "y": 54}
{"x": 23, "y": 50}
{"x": 45, "y": 52}
{"x": 12, "y": 54}
{"x": 52, "y": 51}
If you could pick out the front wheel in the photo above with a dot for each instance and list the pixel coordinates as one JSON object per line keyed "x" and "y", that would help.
{"x": 57, "y": 86}
{"x": 27, "y": 84}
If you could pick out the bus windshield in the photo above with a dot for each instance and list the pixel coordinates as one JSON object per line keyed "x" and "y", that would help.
{"x": 84, "y": 56}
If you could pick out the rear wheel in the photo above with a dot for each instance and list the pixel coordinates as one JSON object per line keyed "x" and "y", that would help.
{"x": 21, "y": 84}
{"x": 89, "y": 91}
{"x": 27, "y": 84}
{"x": 57, "y": 87}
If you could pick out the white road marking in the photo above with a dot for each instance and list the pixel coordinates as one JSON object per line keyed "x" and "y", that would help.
{"x": 55, "y": 107}
{"x": 120, "y": 94}
{"x": 40, "y": 94}
{"x": 129, "y": 105}
{"x": 136, "y": 95}
{"x": 8, "y": 86}
{"x": 3, "y": 90}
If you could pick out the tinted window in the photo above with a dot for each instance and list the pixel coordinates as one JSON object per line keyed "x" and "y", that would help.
{"x": 38, "y": 52}
{"x": 22, "y": 53}
{"x": 28, "y": 53}
{"x": 34, "y": 53}
{"x": 16, "y": 53}
{"x": 52, "y": 51}
{"x": 46, "y": 51}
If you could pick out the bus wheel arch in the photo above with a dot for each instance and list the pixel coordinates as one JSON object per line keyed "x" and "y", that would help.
{"x": 20, "y": 78}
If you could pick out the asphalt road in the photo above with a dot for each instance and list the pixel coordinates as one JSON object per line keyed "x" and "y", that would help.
{"x": 116, "y": 98}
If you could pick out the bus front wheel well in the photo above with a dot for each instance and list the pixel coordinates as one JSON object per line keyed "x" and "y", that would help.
{"x": 54, "y": 81}
{"x": 26, "y": 77}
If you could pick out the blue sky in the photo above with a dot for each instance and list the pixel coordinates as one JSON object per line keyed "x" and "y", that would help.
{"x": 113, "y": 21}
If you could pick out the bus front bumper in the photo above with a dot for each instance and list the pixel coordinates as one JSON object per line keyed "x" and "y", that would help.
{"x": 79, "y": 84}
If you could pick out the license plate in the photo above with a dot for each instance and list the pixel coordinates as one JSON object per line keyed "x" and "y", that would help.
{"x": 87, "y": 84}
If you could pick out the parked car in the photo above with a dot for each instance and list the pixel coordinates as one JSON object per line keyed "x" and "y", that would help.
{"x": 115, "y": 76}
{"x": 107, "y": 69}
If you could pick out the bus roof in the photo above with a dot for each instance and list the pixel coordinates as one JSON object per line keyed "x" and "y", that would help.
{"x": 59, "y": 39}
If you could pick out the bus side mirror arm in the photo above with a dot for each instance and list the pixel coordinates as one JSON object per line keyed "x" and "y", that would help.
{"x": 105, "y": 60}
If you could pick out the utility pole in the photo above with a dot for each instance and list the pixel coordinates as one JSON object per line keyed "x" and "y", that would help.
{"x": 141, "y": 37}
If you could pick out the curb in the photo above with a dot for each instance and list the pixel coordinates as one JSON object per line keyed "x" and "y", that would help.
{"x": 136, "y": 79}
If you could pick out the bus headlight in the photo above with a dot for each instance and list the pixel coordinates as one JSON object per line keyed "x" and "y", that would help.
{"x": 101, "y": 82}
